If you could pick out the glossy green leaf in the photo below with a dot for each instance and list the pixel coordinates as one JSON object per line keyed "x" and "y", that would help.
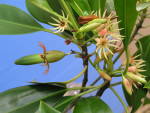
{"x": 45, "y": 108}
{"x": 15, "y": 21}
{"x": 91, "y": 105}
{"x": 143, "y": 45}
{"x": 127, "y": 15}
{"x": 41, "y": 10}
{"x": 147, "y": 85}
{"x": 59, "y": 84}
{"x": 97, "y": 5}
{"x": 26, "y": 99}
{"x": 63, "y": 103}
{"x": 81, "y": 7}
{"x": 134, "y": 100}
{"x": 142, "y": 6}
{"x": 55, "y": 5}
{"x": 52, "y": 56}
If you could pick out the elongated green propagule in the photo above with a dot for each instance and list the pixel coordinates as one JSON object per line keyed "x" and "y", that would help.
{"x": 51, "y": 56}
{"x": 92, "y": 25}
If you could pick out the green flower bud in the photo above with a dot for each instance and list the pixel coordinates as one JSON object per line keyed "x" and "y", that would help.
{"x": 136, "y": 78}
{"x": 105, "y": 76}
{"x": 92, "y": 25}
{"x": 51, "y": 56}
{"x": 101, "y": 21}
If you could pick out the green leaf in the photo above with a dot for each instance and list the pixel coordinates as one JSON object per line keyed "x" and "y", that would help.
{"x": 142, "y": 6}
{"x": 138, "y": 94}
{"x": 147, "y": 85}
{"x": 143, "y": 45}
{"x": 91, "y": 105}
{"x": 45, "y": 108}
{"x": 15, "y": 21}
{"x": 63, "y": 103}
{"x": 97, "y": 5}
{"x": 126, "y": 11}
{"x": 134, "y": 100}
{"x": 55, "y": 5}
{"x": 41, "y": 10}
{"x": 59, "y": 84}
{"x": 26, "y": 99}
{"x": 81, "y": 7}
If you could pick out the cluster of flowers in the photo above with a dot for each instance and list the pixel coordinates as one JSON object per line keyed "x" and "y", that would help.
{"x": 107, "y": 42}
{"x": 133, "y": 76}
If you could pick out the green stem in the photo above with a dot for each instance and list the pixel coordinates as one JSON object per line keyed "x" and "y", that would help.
{"x": 91, "y": 90}
{"x": 115, "y": 84}
{"x": 78, "y": 88}
{"x": 116, "y": 59}
{"x": 116, "y": 72}
{"x": 95, "y": 66}
{"x": 76, "y": 77}
{"x": 81, "y": 94}
{"x": 50, "y": 31}
{"x": 127, "y": 61}
{"x": 109, "y": 64}
{"x": 120, "y": 99}
{"x": 95, "y": 81}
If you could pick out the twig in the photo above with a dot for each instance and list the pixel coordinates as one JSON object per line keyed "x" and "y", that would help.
{"x": 95, "y": 81}
{"x": 85, "y": 64}
{"x": 115, "y": 84}
{"x": 101, "y": 90}
{"x": 139, "y": 24}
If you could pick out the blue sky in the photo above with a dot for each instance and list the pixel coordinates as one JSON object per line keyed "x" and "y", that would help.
{"x": 13, "y": 47}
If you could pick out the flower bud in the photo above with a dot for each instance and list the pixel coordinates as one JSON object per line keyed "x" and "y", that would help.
{"x": 103, "y": 32}
{"x": 136, "y": 78}
{"x": 92, "y": 25}
{"x": 105, "y": 76}
{"x": 132, "y": 69}
{"x": 51, "y": 56}
{"x": 127, "y": 85}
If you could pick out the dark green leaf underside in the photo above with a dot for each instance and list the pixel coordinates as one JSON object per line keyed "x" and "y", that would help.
{"x": 26, "y": 99}
{"x": 126, "y": 11}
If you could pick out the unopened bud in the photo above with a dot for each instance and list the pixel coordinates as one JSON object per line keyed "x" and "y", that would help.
{"x": 132, "y": 69}
{"x": 92, "y": 25}
{"x": 105, "y": 76}
{"x": 127, "y": 85}
{"x": 103, "y": 32}
{"x": 136, "y": 78}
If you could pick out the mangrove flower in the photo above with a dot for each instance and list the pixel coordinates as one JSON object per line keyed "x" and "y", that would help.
{"x": 105, "y": 45}
{"x": 133, "y": 76}
{"x": 61, "y": 23}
